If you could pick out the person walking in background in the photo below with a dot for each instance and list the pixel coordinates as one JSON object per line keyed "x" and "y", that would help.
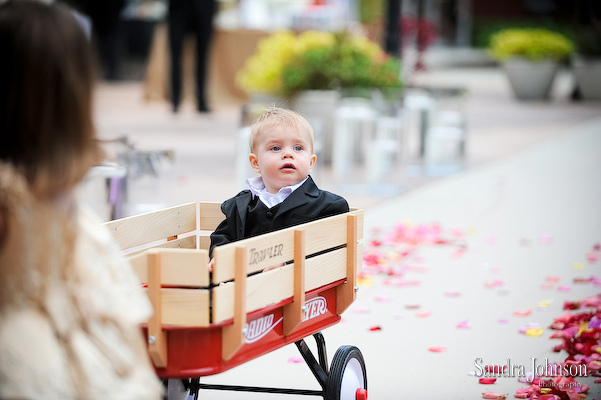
{"x": 70, "y": 304}
{"x": 183, "y": 16}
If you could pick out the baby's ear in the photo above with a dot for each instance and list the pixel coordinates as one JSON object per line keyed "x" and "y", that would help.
{"x": 254, "y": 162}
{"x": 313, "y": 160}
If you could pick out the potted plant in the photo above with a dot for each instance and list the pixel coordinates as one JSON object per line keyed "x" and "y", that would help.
{"x": 308, "y": 71}
{"x": 530, "y": 59}
{"x": 587, "y": 61}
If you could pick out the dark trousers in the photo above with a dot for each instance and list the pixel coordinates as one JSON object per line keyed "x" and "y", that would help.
{"x": 185, "y": 16}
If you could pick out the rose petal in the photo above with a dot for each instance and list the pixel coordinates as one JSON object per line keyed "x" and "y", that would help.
{"x": 382, "y": 299}
{"x": 452, "y": 294}
{"x": 375, "y": 328}
{"x": 295, "y": 359}
{"x": 520, "y": 313}
{"x": 487, "y": 381}
{"x": 552, "y": 278}
{"x": 464, "y": 325}
{"x": 437, "y": 349}
{"x": 491, "y": 395}
{"x": 503, "y": 320}
{"x": 534, "y": 332}
{"x": 564, "y": 289}
{"x": 423, "y": 314}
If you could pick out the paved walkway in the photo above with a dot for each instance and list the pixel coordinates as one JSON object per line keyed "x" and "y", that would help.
{"x": 205, "y": 146}
{"x": 521, "y": 218}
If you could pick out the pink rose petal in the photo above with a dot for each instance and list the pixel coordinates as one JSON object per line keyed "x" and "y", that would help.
{"x": 522, "y": 313}
{"x": 295, "y": 359}
{"x": 564, "y": 289}
{"x": 424, "y": 314}
{"x": 437, "y": 349}
{"x": 464, "y": 325}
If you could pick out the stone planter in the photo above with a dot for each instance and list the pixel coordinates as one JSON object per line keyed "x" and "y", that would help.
{"x": 587, "y": 74}
{"x": 530, "y": 80}
{"x": 319, "y": 107}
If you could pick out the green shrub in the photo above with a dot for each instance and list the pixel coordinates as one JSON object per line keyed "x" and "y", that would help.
{"x": 534, "y": 44}
{"x": 286, "y": 63}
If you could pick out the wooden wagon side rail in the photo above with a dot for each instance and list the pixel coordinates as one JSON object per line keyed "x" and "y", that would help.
{"x": 335, "y": 248}
{"x": 183, "y": 294}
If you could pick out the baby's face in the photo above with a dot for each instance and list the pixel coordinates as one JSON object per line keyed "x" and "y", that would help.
{"x": 283, "y": 156}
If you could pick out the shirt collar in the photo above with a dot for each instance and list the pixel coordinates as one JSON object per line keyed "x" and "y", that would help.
{"x": 257, "y": 188}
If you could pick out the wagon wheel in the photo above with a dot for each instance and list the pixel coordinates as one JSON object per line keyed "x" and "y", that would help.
{"x": 347, "y": 379}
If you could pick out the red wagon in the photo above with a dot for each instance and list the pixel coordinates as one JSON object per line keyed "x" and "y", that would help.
{"x": 206, "y": 323}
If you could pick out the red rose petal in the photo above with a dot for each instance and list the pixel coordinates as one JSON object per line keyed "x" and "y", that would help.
{"x": 487, "y": 381}
{"x": 375, "y": 328}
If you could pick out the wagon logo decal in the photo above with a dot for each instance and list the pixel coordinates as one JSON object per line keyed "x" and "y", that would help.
{"x": 260, "y": 327}
{"x": 315, "y": 307}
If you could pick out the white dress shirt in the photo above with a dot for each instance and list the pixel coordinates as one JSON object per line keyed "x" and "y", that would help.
{"x": 257, "y": 188}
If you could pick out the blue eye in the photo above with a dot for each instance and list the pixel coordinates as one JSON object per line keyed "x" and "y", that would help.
{"x": 275, "y": 148}
{"x": 298, "y": 148}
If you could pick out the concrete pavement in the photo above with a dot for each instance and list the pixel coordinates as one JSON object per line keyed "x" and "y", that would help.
{"x": 524, "y": 209}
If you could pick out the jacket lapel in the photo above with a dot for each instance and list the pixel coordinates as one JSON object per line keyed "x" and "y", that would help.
{"x": 299, "y": 197}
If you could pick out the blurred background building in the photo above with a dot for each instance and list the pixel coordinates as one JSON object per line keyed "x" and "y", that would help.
{"x": 449, "y": 24}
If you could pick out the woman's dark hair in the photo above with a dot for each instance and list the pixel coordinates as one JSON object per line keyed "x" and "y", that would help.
{"x": 46, "y": 83}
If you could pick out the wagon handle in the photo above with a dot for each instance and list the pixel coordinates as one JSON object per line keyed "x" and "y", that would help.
{"x": 233, "y": 335}
{"x": 346, "y": 293}
{"x": 294, "y": 312}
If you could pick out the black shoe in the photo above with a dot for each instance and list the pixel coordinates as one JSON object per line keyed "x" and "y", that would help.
{"x": 203, "y": 108}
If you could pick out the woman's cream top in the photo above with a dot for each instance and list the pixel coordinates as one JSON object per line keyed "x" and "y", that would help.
{"x": 70, "y": 305}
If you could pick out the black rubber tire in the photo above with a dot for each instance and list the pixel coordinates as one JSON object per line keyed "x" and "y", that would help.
{"x": 345, "y": 355}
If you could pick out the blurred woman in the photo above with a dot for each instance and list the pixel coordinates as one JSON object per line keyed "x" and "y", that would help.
{"x": 70, "y": 305}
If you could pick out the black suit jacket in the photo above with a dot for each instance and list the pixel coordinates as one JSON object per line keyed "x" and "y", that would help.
{"x": 307, "y": 203}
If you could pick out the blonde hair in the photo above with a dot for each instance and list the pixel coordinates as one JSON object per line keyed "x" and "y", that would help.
{"x": 276, "y": 116}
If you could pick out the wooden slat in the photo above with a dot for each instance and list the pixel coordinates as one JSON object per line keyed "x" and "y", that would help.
{"x": 346, "y": 293}
{"x": 210, "y": 216}
{"x": 359, "y": 213}
{"x": 293, "y": 312}
{"x": 145, "y": 228}
{"x": 204, "y": 242}
{"x": 184, "y": 267}
{"x": 232, "y": 335}
{"x": 157, "y": 339}
{"x": 185, "y": 307}
{"x": 188, "y": 242}
{"x": 179, "y": 267}
{"x": 276, "y": 285}
{"x": 321, "y": 235}
{"x": 139, "y": 263}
